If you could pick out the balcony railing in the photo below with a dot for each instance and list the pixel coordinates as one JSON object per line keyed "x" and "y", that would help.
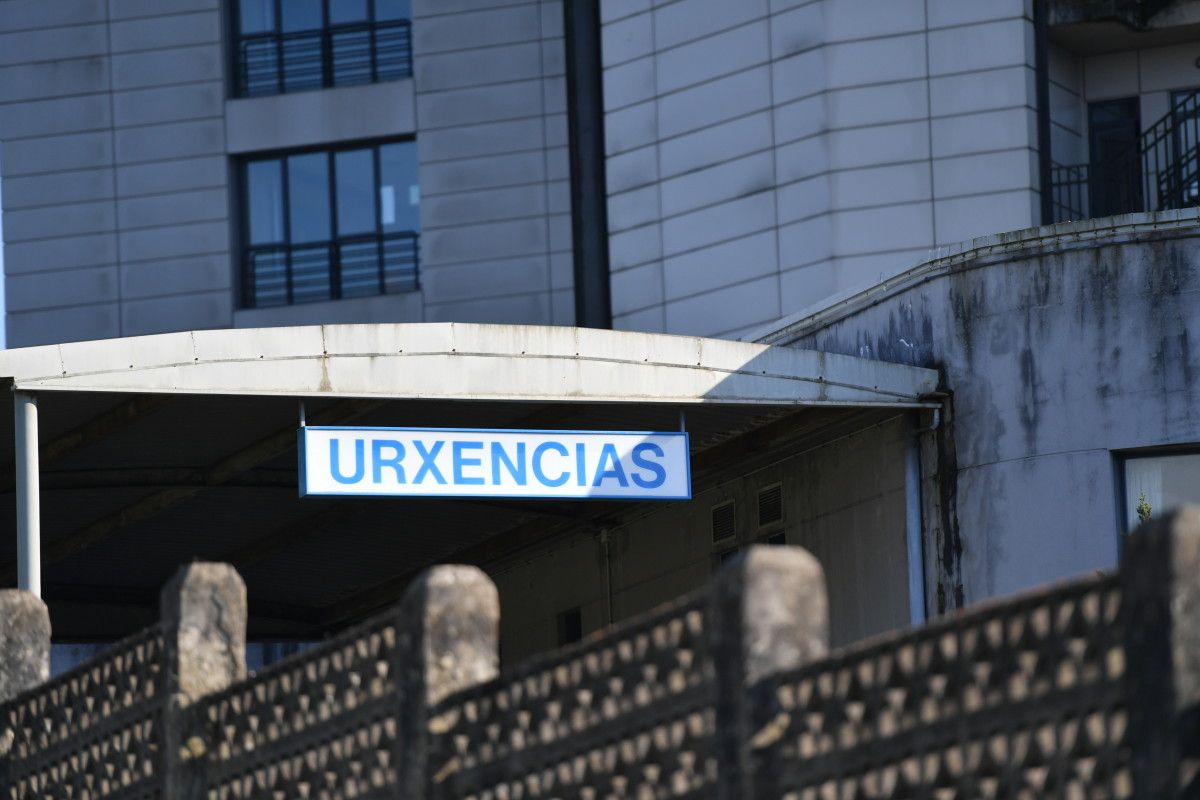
{"x": 342, "y": 55}
{"x": 1161, "y": 171}
{"x": 352, "y": 266}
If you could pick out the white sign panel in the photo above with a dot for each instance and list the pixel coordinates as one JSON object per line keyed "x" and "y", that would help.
{"x": 461, "y": 462}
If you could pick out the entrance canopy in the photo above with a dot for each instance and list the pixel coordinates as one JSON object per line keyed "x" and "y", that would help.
{"x": 157, "y": 450}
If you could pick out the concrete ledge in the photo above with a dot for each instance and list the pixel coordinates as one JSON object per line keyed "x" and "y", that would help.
{"x": 322, "y": 116}
{"x": 980, "y": 251}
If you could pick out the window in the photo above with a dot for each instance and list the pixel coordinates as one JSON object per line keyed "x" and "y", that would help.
{"x": 1158, "y": 483}
{"x": 294, "y": 45}
{"x": 329, "y": 224}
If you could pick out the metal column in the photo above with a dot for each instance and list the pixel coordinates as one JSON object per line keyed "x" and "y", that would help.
{"x": 29, "y": 512}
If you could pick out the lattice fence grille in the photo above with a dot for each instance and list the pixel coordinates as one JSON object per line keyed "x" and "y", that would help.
{"x": 1022, "y": 699}
{"x": 93, "y": 732}
{"x": 322, "y": 724}
{"x": 627, "y": 715}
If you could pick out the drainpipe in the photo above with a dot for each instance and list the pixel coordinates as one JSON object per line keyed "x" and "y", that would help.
{"x": 589, "y": 192}
{"x": 1041, "y": 43}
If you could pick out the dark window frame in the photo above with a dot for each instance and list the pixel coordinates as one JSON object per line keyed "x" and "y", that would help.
{"x": 1120, "y": 459}
{"x": 248, "y": 277}
{"x": 388, "y": 52}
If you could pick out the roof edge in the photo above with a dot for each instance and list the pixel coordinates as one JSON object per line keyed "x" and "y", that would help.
{"x": 977, "y": 252}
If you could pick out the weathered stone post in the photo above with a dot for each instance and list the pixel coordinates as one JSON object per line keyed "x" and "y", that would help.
{"x": 1160, "y": 595}
{"x": 24, "y": 642}
{"x": 203, "y": 616}
{"x": 448, "y": 641}
{"x": 24, "y": 655}
{"x": 769, "y": 613}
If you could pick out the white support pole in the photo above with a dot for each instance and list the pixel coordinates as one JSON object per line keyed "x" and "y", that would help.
{"x": 29, "y": 512}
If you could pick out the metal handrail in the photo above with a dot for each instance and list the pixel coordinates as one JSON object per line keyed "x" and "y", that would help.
{"x": 340, "y": 55}
{"x": 349, "y": 266}
{"x": 1159, "y": 171}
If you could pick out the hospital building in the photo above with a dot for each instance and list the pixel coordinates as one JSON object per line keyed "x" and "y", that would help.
{"x": 917, "y": 279}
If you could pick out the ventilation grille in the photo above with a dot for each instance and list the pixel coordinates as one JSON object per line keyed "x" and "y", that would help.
{"x": 770, "y": 505}
{"x": 723, "y": 526}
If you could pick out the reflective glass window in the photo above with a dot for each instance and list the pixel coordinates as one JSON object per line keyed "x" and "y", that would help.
{"x": 298, "y": 45}
{"x": 1155, "y": 484}
{"x": 256, "y": 16}
{"x": 355, "y": 171}
{"x": 329, "y": 224}
{"x": 264, "y": 187}
{"x": 301, "y": 15}
{"x": 308, "y": 197}
{"x": 342, "y": 12}
{"x": 389, "y": 10}
{"x": 399, "y": 193}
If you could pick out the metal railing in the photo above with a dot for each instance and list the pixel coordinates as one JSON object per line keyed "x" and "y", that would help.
{"x": 1161, "y": 171}
{"x": 351, "y": 266}
{"x": 341, "y": 55}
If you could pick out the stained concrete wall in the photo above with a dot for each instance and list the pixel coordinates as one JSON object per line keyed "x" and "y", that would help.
{"x": 1061, "y": 346}
{"x": 765, "y": 154}
{"x": 844, "y": 501}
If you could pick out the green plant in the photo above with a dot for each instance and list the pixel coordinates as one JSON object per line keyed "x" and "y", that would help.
{"x": 1143, "y": 508}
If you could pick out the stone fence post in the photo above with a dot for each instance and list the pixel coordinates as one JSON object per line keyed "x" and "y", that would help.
{"x": 24, "y": 643}
{"x": 448, "y": 641}
{"x": 769, "y": 613}
{"x": 203, "y": 616}
{"x": 24, "y": 655}
{"x": 1160, "y": 597}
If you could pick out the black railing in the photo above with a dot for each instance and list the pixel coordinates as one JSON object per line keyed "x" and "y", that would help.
{"x": 1159, "y": 172}
{"x": 352, "y": 266}
{"x": 341, "y": 55}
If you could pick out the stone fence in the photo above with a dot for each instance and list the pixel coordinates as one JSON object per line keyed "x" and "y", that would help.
{"x": 1087, "y": 689}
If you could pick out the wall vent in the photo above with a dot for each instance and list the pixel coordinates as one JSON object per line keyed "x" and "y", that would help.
{"x": 770, "y": 505}
{"x": 723, "y": 522}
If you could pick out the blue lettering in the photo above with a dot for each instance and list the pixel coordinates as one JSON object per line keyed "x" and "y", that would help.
{"x": 427, "y": 461}
{"x": 538, "y": 453}
{"x": 515, "y": 470}
{"x": 359, "y": 465}
{"x": 656, "y": 470}
{"x": 460, "y": 461}
{"x": 608, "y": 454}
{"x": 378, "y": 462}
{"x": 580, "y": 464}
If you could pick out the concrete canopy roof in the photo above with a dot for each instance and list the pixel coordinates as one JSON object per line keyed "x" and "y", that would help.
{"x": 157, "y": 450}
{"x": 455, "y": 361}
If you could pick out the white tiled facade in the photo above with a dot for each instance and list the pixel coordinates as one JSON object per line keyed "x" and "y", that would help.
{"x": 120, "y": 138}
{"x": 764, "y": 155}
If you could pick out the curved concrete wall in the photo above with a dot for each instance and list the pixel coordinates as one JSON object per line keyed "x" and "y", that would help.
{"x": 1062, "y": 346}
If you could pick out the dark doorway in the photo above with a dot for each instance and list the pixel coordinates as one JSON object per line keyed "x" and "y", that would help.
{"x": 1115, "y": 179}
